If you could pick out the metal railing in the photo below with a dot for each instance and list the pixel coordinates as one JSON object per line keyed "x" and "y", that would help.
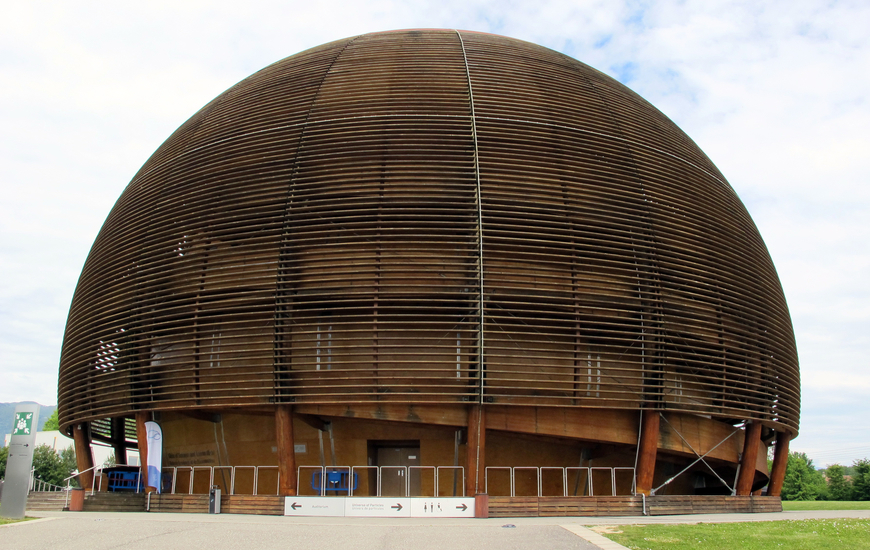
{"x": 40, "y": 486}
{"x": 564, "y": 473}
{"x": 190, "y": 476}
{"x": 37, "y": 485}
{"x": 583, "y": 477}
{"x": 405, "y": 472}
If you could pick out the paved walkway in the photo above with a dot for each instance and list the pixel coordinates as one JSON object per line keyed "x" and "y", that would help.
{"x": 146, "y": 531}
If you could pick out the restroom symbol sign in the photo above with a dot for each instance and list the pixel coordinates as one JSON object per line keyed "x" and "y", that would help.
{"x": 430, "y": 507}
{"x": 445, "y": 507}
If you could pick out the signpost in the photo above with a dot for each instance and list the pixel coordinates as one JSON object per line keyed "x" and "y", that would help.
{"x": 21, "y": 445}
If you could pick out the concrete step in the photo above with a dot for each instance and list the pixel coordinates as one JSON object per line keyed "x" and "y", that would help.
{"x": 115, "y": 502}
{"x": 53, "y": 501}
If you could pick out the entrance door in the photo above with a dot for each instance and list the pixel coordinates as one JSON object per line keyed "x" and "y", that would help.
{"x": 393, "y": 480}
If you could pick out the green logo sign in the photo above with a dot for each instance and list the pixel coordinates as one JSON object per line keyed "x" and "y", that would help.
{"x": 23, "y": 424}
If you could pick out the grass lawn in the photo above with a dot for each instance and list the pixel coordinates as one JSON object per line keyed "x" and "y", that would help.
{"x": 4, "y": 521}
{"x": 793, "y": 505}
{"x": 827, "y": 534}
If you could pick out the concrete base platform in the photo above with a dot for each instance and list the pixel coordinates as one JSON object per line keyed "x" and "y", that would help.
{"x": 511, "y": 507}
{"x": 147, "y": 531}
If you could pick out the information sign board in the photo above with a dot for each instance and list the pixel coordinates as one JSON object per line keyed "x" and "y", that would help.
{"x": 442, "y": 507}
{"x": 380, "y": 507}
{"x": 20, "y": 458}
{"x": 314, "y": 506}
{"x": 377, "y": 507}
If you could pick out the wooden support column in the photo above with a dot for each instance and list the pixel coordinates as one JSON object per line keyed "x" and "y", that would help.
{"x": 119, "y": 441}
{"x": 475, "y": 451}
{"x": 84, "y": 458}
{"x": 647, "y": 449}
{"x": 780, "y": 461}
{"x": 286, "y": 453}
{"x": 142, "y": 442}
{"x": 751, "y": 442}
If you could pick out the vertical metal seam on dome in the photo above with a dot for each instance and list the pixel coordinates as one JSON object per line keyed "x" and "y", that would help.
{"x": 480, "y": 364}
{"x": 280, "y": 289}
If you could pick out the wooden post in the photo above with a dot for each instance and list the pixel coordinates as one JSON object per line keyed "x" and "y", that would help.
{"x": 780, "y": 461}
{"x": 475, "y": 451}
{"x": 119, "y": 441}
{"x": 84, "y": 458}
{"x": 751, "y": 442}
{"x": 142, "y": 441}
{"x": 647, "y": 449}
{"x": 286, "y": 452}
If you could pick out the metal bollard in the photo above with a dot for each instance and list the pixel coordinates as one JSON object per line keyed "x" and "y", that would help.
{"x": 214, "y": 500}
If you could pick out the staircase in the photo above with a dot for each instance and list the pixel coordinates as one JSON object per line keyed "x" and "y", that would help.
{"x": 115, "y": 502}
{"x": 45, "y": 501}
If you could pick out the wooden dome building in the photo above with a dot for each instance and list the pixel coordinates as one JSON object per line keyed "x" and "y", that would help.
{"x": 437, "y": 248}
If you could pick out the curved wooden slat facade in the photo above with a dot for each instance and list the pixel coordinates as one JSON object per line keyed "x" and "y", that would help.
{"x": 430, "y": 217}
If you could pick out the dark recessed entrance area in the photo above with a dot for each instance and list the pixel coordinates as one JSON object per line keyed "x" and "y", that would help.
{"x": 394, "y": 458}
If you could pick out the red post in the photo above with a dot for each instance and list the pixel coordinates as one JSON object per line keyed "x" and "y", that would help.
{"x": 751, "y": 442}
{"x": 84, "y": 458}
{"x": 646, "y": 452}
{"x": 286, "y": 452}
{"x": 780, "y": 461}
{"x": 481, "y": 505}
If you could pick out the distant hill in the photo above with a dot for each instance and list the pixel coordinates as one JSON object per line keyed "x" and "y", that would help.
{"x": 7, "y": 414}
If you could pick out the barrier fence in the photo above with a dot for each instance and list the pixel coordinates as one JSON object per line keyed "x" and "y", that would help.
{"x": 433, "y": 481}
{"x": 542, "y": 480}
{"x": 320, "y": 480}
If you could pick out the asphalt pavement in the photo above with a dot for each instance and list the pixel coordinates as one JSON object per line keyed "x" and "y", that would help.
{"x": 146, "y": 531}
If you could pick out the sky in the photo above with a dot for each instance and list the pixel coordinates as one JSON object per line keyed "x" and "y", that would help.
{"x": 775, "y": 92}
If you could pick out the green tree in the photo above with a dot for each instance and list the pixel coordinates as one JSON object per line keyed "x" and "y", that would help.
{"x": 861, "y": 480}
{"x": 839, "y": 487}
{"x": 52, "y": 423}
{"x": 802, "y": 481}
{"x": 68, "y": 459}
{"x": 110, "y": 461}
{"x": 50, "y": 466}
{"x": 4, "y": 455}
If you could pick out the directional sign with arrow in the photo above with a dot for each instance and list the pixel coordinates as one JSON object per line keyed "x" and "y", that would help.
{"x": 421, "y": 507}
{"x": 313, "y": 506}
{"x": 374, "y": 507}
{"x": 449, "y": 507}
